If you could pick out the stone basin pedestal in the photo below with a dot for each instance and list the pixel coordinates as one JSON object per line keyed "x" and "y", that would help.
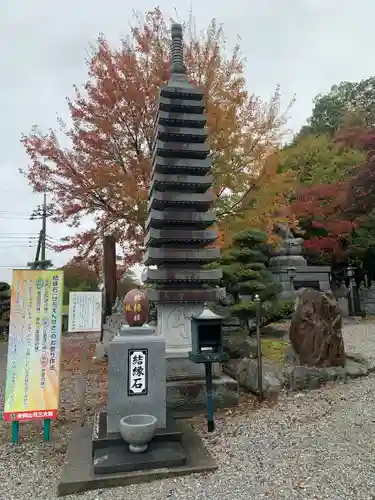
{"x": 137, "y": 431}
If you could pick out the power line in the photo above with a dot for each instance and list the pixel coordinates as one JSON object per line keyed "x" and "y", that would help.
{"x": 2, "y": 237}
{"x": 15, "y": 212}
{"x": 52, "y": 238}
{"x": 36, "y": 214}
{"x": 13, "y": 217}
{"x": 40, "y": 241}
{"x": 16, "y": 246}
{"x": 42, "y": 211}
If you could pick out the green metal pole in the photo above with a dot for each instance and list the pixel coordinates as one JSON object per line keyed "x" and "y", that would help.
{"x": 46, "y": 429}
{"x": 259, "y": 349}
{"x": 210, "y": 399}
{"x": 15, "y": 431}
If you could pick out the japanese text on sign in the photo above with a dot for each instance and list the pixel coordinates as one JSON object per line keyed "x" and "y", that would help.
{"x": 33, "y": 379}
{"x": 85, "y": 311}
{"x": 137, "y": 380}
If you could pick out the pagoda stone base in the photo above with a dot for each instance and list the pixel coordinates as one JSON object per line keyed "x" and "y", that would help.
{"x": 186, "y": 388}
{"x": 188, "y": 397}
{"x": 181, "y": 368}
{"x": 174, "y": 324}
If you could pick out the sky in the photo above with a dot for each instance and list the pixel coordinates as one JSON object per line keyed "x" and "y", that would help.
{"x": 304, "y": 45}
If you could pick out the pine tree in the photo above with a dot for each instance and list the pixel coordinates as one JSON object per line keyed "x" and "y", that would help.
{"x": 245, "y": 275}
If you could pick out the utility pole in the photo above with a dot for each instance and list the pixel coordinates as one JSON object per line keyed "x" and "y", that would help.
{"x": 41, "y": 212}
{"x": 44, "y": 226}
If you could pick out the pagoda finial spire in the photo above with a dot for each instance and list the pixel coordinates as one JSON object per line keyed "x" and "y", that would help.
{"x": 178, "y": 66}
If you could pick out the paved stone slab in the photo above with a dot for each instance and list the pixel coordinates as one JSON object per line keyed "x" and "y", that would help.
{"x": 120, "y": 459}
{"x": 101, "y": 438}
{"x": 77, "y": 474}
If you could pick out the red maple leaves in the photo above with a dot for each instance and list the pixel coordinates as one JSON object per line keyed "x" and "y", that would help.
{"x": 322, "y": 211}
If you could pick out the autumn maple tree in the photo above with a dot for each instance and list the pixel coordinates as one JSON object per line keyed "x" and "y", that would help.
{"x": 333, "y": 158}
{"x": 324, "y": 167}
{"x": 266, "y": 204}
{"x": 321, "y": 210}
{"x": 105, "y": 171}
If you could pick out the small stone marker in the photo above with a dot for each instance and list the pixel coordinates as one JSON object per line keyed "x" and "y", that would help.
{"x": 136, "y": 367}
{"x": 136, "y": 376}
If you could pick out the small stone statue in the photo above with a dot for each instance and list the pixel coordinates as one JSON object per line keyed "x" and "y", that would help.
{"x": 283, "y": 231}
{"x": 117, "y": 308}
{"x": 289, "y": 244}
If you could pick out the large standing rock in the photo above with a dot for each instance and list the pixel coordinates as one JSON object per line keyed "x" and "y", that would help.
{"x": 316, "y": 329}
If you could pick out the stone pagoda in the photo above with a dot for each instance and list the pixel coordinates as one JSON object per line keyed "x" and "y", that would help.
{"x": 181, "y": 230}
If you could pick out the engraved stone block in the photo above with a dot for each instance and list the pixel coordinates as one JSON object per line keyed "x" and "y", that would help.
{"x": 136, "y": 376}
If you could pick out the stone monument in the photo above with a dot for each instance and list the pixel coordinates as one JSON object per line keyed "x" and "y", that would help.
{"x": 136, "y": 367}
{"x": 136, "y": 439}
{"x": 135, "y": 387}
{"x": 181, "y": 235}
{"x": 290, "y": 268}
{"x": 136, "y": 400}
{"x": 316, "y": 329}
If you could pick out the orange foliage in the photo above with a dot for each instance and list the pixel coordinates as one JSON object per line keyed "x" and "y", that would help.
{"x": 267, "y": 203}
{"x": 104, "y": 173}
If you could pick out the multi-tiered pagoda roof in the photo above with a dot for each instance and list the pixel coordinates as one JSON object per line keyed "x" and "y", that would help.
{"x": 181, "y": 231}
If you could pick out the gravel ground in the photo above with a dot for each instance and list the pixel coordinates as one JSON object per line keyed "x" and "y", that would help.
{"x": 313, "y": 445}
